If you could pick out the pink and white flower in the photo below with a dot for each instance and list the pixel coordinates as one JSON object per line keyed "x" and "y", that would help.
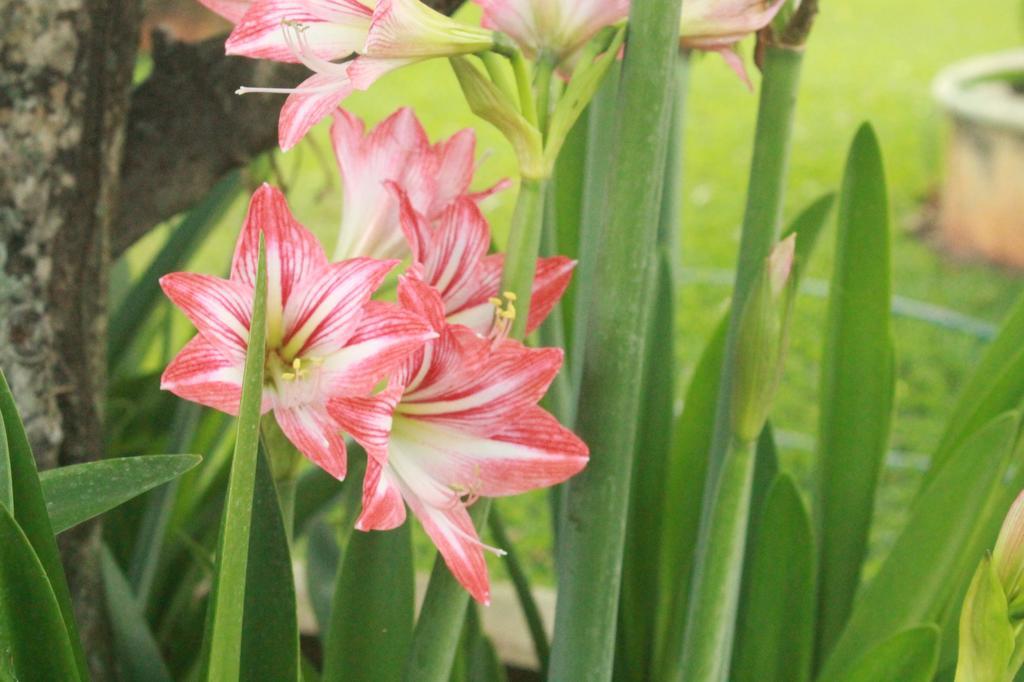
{"x": 326, "y": 340}
{"x": 717, "y": 25}
{"x": 396, "y": 154}
{"x": 466, "y": 424}
{"x": 558, "y": 27}
{"x": 451, "y": 256}
{"x": 404, "y": 32}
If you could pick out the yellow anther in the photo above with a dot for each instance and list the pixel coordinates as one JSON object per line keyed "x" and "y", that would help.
{"x": 496, "y": 302}
{"x": 297, "y": 364}
{"x": 288, "y": 376}
{"x": 510, "y": 295}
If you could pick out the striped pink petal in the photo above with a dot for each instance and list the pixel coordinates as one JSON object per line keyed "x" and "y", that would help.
{"x": 311, "y": 102}
{"x": 316, "y": 435}
{"x": 385, "y": 338}
{"x": 483, "y": 399}
{"x": 549, "y": 284}
{"x": 293, "y": 253}
{"x": 260, "y": 33}
{"x": 220, "y": 309}
{"x": 205, "y": 375}
{"x": 232, "y": 10}
{"x": 383, "y": 508}
{"x": 326, "y": 311}
{"x": 367, "y": 419}
{"x": 365, "y": 71}
{"x": 453, "y": 251}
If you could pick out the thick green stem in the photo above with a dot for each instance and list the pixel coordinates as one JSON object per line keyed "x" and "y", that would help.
{"x": 545, "y": 69}
{"x": 760, "y": 232}
{"x": 711, "y": 625}
{"x": 523, "y": 248}
{"x": 763, "y": 217}
{"x": 527, "y": 103}
{"x": 597, "y": 501}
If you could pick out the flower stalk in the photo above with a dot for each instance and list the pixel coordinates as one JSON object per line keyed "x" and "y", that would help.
{"x": 719, "y": 556}
{"x": 592, "y": 536}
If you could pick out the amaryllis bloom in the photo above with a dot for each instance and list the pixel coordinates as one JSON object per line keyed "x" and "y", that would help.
{"x": 558, "y": 27}
{"x": 396, "y": 154}
{"x": 450, "y": 255}
{"x": 317, "y": 33}
{"x": 466, "y": 424}
{"x": 404, "y": 32}
{"x": 326, "y": 340}
{"x": 717, "y": 25}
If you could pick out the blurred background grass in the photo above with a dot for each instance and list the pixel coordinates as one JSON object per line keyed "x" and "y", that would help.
{"x": 870, "y": 60}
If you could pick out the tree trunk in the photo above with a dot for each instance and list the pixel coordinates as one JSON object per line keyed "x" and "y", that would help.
{"x": 65, "y": 75}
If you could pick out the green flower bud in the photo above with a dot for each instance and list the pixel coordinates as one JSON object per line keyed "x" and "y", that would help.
{"x": 1008, "y": 557}
{"x": 761, "y": 342}
{"x": 986, "y": 636}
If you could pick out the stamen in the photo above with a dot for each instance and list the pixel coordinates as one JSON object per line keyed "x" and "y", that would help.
{"x": 298, "y": 43}
{"x": 504, "y": 315}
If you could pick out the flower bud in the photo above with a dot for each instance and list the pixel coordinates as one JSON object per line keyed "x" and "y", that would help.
{"x": 717, "y": 25}
{"x": 986, "y": 635}
{"x": 490, "y": 104}
{"x": 760, "y": 343}
{"x": 1008, "y": 556}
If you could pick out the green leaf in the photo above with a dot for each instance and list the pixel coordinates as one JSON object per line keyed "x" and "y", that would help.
{"x": 6, "y": 490}
{"x": 986, "y": 636}
{"x": 227, "y": 598}
{"x": 138, "y": 655}
{"x": 30, "y": 515}
{"x": 952, "y": 523}
{"x": 270, "y": 630}
{"x": 372, "y": 615}
{"x": 774, "y": 640}
{"x": 640, "y": 585}
{"x": 908, "y": 656}
{"x": 995, "y": 385}
{"x": 33, "y": 638}
{"x": 857, "y": 385}
{"x": 140, "y": 300}
{"x": 79, "y": 492}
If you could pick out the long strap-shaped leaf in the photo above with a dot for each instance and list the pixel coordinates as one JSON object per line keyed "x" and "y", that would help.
{"x": 227, "y": 599}
{"x": 952, "y": 523}
{"x": 30, "y": 514}
{"x": 857, "y": 385}
{"x": 270, "y": 633}
{"x": 138, "y": 654}
{"x": 33, "y": 635}
{"x": 775, "y": 635}
{"x": 79, "y": 492}
{"x": 372, "y": 615}
{"x": 591, "y": 541}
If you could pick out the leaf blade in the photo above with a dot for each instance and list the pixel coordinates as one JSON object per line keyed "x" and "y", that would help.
{"x": 857, "y": 385}
{"x": 77, "y": 493}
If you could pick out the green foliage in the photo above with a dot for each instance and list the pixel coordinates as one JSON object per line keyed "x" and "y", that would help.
{"x": 372, "y": 616}
{"x": 79, "y": 492}
{"x": 908, "y": 656}
{"x": 34, "y": 638}
{"x": 224, "y": 634}
{"x": 138, "y": 653}
{"x": 774, "y": 642}
{"x": 857, "y": 384}
{"x": 954, "y": 520}
{"x": 32, "y": 519}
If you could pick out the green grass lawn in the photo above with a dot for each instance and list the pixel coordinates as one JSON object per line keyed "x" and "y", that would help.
{"x": 869, "y": 60}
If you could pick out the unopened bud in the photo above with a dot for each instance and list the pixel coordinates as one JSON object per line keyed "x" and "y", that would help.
{"x": 761, "y": 342}
{"x": 986, "y": 634}
{"x": 1008, "y": 556}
